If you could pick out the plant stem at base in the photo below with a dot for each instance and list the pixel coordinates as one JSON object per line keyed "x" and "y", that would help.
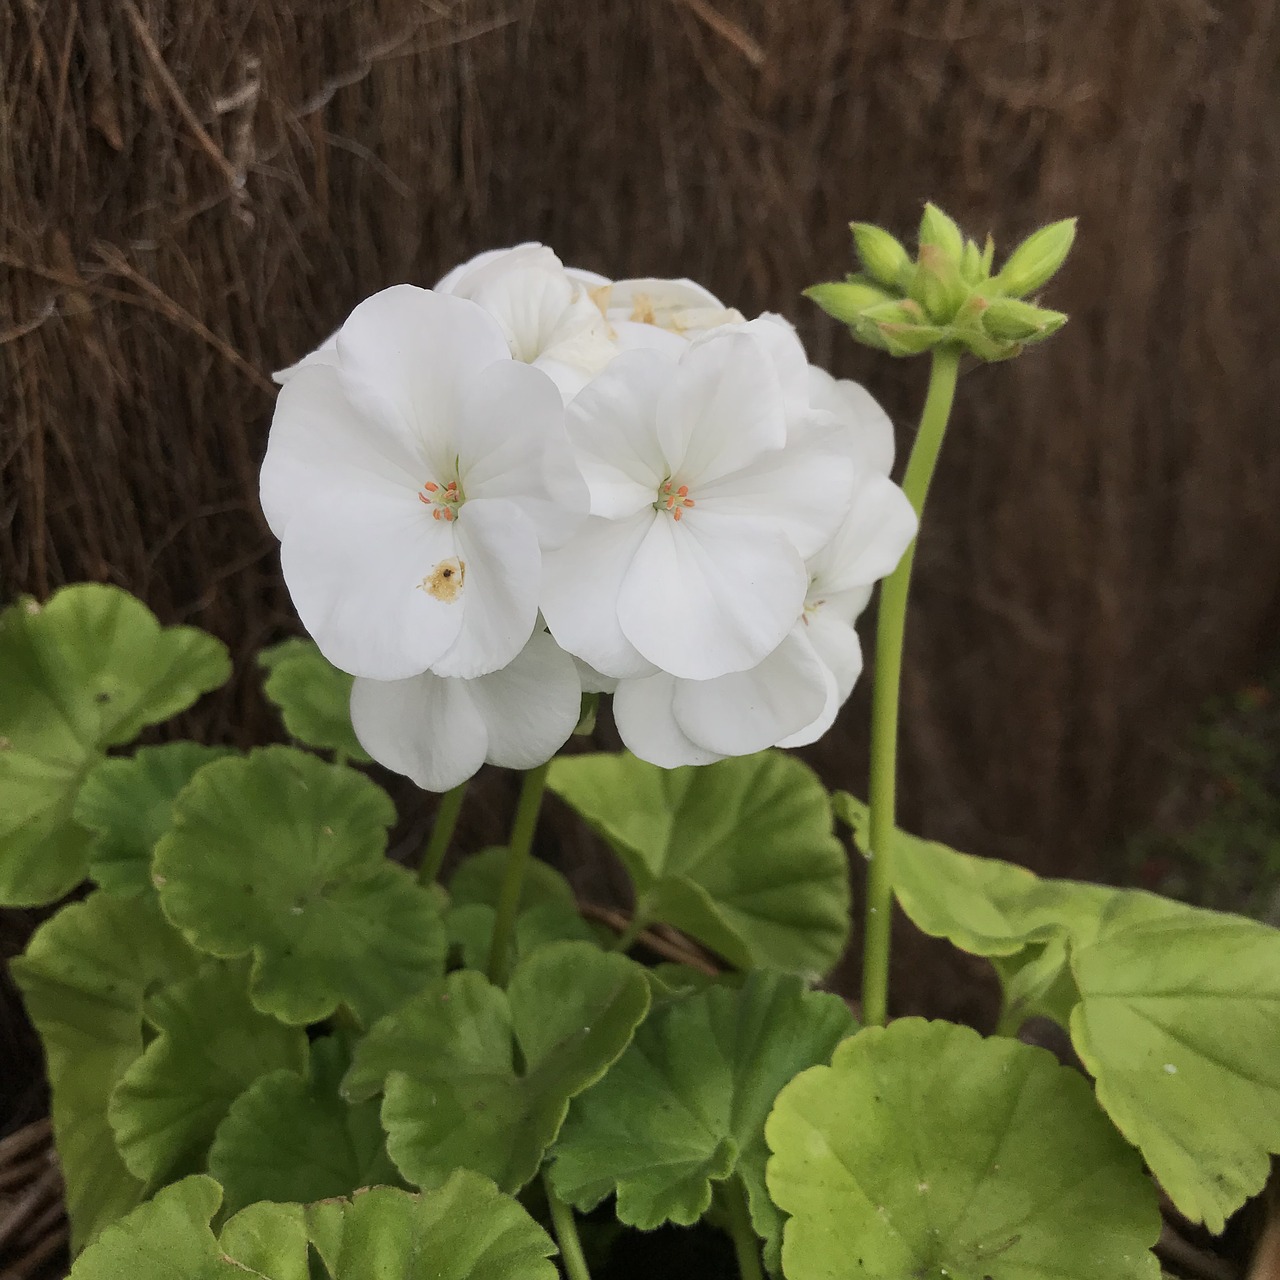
{"x": 566, "y": 1229}
{"x": 746, "y": 1244}
{"x": 441, "y": 833}
{"x": 535, "y": 782}
{"x": 885, "y": 695}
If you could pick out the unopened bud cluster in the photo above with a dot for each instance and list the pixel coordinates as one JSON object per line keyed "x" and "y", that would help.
{"x": 948, "y": 293}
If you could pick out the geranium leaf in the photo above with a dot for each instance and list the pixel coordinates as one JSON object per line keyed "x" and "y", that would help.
{"x": 446, "y": 1061}
{"x": 84, "y": 978}
{"x": 88, "y": 671}
{"x": 924, "y": 1150}
{"x": 478, "y": 879}
{"x": 1179, "y": 1021}
{"x": 211, "y": 1045}
{"x": 281, "y": 855}
{"x": 685, "y": 1106}
{"x": 467, "y": 1230}
{"x": 1172, "y": 1008}
{"x": 739, "y": 854}
{"x": 127, "y": 803}
{"x": 290, "y": 1137}
{"x": 313, "y": 696}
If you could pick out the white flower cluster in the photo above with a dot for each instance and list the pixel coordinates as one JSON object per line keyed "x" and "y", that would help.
{"x": 532, "y": 481}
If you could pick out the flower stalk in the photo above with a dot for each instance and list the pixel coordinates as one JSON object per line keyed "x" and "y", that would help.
{"x": 566, "y": 1229}
{"x": 746, "y": 1245}
{"x": 530, "y": 802}
{"x": 891, "y": 628}
{"x": 446, "y": 822}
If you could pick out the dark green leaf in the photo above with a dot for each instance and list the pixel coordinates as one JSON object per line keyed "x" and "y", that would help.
{"x": 313, "y": 696}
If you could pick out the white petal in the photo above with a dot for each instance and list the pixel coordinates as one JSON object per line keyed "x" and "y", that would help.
{"x": 591, "y": 680}
{"x": 752, "y": 710}
{"x": 359, "y": 571}
{"x": 805, "y": 490}
{"x": 580, "y": 585}
{"x": 501, "y": 571}
{"x": 870, "y": 542}
{"x": 325, "y": 353}
{"x": 837, "y": 646}
{"x": 859, "y": 413}
{"x": 613, "y": 427}
{"x": 427, "y": 728}
{"x": 531, "y": 706}
{"x": 781, "y": 345}
{"x": 403, "y": 355}
{"x": 648, "y": 337}
{"x": 512, "y": 444}
{"x": 708, "y": 595}
{"x": 542, "y": 312}
{"x": 647, "y": 726}
{"x": 722, "y": 409}
{"x": 640, "y": 297}
{"x": 321, "y": 445}
{"x": 468, "y": 276}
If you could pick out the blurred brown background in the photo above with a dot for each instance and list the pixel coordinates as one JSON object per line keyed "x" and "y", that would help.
{"x": 195, "y": 192}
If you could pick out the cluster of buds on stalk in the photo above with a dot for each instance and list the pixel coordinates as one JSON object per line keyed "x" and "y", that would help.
{"x": 948, "y": 294}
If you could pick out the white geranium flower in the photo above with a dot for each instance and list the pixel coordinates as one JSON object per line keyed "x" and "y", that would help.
{"x": 414, "y": 483}
{"x": 550, "y": 320}
{"x": 869, "y": 430}
{"x": 439, "y": 731}
{"x": 657, "y": 313}
{"x": 703, "y": 510}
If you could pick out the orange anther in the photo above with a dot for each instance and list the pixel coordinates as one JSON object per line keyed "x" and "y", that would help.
{"x": 422, "y": 497}
{"x": 689, "y": 502}
{"x": 677, "y": 513}
{"x": 683, "y": 490}
{"x": 435, "y": 515}
{"x": 431, "y": 486}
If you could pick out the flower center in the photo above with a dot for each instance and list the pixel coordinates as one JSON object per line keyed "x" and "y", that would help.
{"x": 673, "y": 499}
{"x": 444, "y": 500}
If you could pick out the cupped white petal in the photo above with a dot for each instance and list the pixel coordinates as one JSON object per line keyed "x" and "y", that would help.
{"x": 427, "y": 728}
{"x": 836, "y": 643}
{"x": 580, "y": 586}
{"x": 642, "y": 711}
{"x": 321, "y": 446}
{"x": 613, "y": 427}
{"x": 325, "y": 353}
{"x": 722, "y": 409}
{"x": 361, "y": 573}
{"x": 804, "y": 488}
{"x": 404, "y": 353}
{"x": 858, "y": 412}
{"x": 500, "y": 567}
{"x": 870, "y": 541}
{"x": 708, "y": 595}
{"x": 512, "y": 445}
{"x": 781, "y": 346}
{"x": 591, "y": 680}
{"x": 530, "y": 707}
{"x": 749, "y": 711}
{"x": 468, "y": 276}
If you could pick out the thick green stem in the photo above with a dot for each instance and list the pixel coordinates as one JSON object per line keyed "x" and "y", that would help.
{"x": 441, "y": 833}
{"x": 884, "y": 696}
{"x": 566, "y": 1229}
{"x": 746, "y": 1244}
{"x": 504, "y": 923}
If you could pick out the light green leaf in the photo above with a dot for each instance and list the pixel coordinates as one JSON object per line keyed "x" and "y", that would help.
{"x": 212, "y": 1044}
{"x": 685, "y": 1106}
{"x": 84, "y": 978}
{"x": 127, "y": 803}
{"x": 281, "y": 855}
{"x": 478, "y": 879}
{"x": 1179, "y": 1021}
{"x": 467, "y": 1230}
{"x": 926, "y": 1151}
{"x": 739, "y": 854}
{"x": 1175, "y": 1010}
{"x": 88, "y": 671}
{"x": 313, "y": 696}
{"x": 446, "y": 1062}
{"x": 291, "y": 1138}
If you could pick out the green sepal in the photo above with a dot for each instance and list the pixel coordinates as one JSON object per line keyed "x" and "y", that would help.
{"x": 846, "y": 302}
{"x": 1037, "y": 259}
{"x": 939, "y": 231}
{"x": 882, "y": 256}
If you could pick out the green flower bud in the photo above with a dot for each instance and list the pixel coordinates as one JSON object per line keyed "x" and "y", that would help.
{"x": 847, "y": 301}
{"x": 937, "y": 285}
{"x": 883, "y": 257}
{"x": 1010, "y": 320}
{"x": 941, "y": 231}
{"x": 971, "y": 264}
{"x": 988, "y": 256}
{"x": 1036, "y": 259}
{"x": 586, "y": 725}
{"x": 897, "y": 327}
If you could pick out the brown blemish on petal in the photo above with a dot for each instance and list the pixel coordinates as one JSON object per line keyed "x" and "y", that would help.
{"x": 444, "y": 582}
